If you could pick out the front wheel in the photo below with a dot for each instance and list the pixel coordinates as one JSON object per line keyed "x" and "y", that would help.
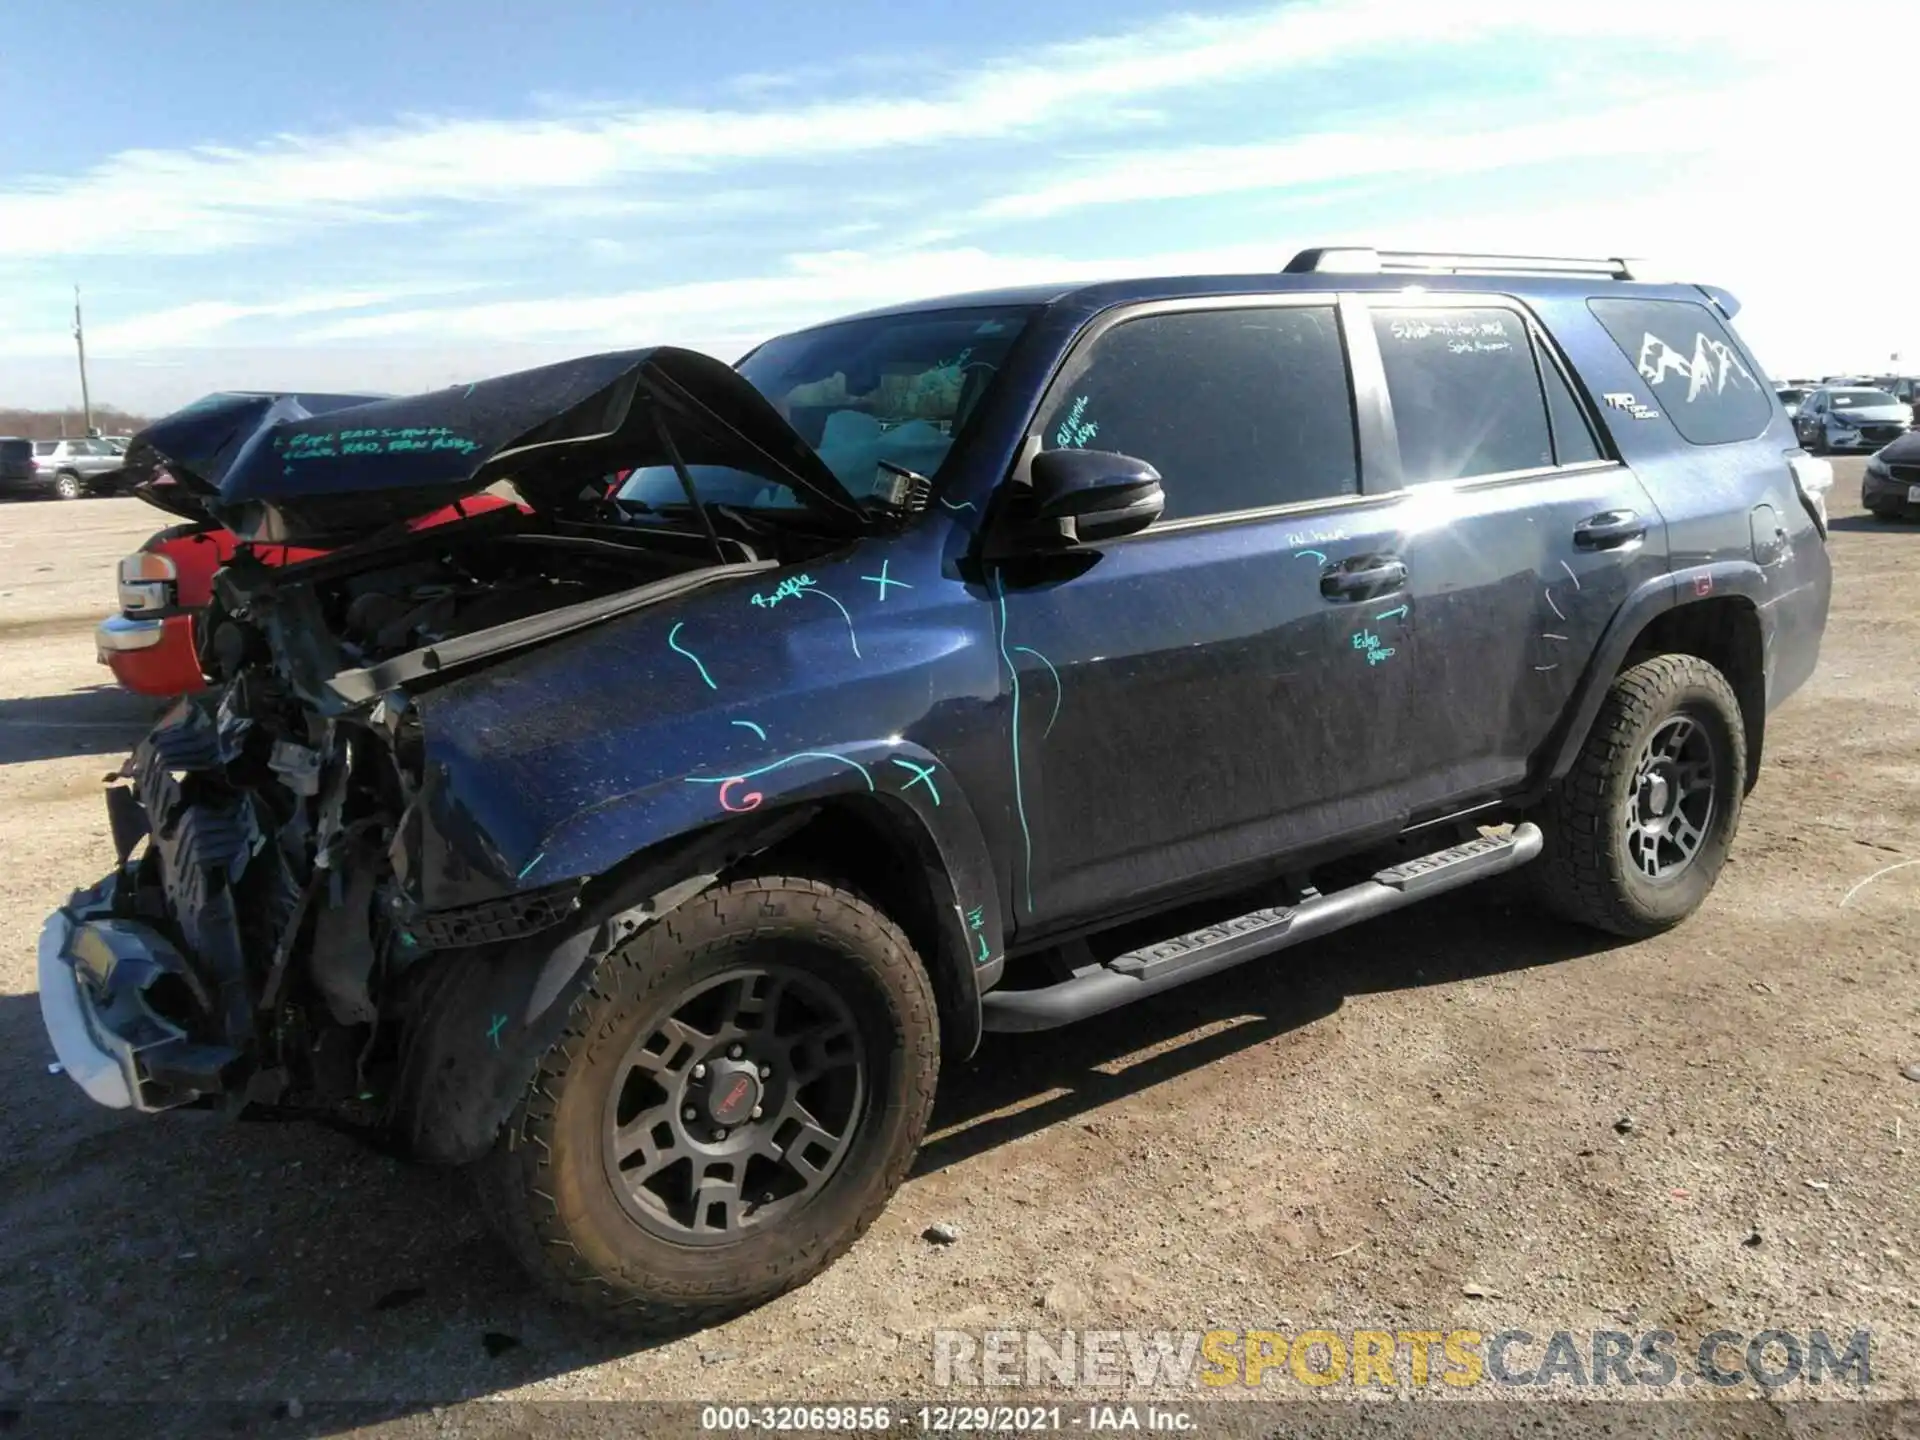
{"x": 1638, "y": 830}
{"x": 737, "y": 1095}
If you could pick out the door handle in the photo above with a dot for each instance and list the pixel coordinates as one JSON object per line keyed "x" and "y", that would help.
{"x": 1374, "y": 579}
{"x": 1607, "y": 529}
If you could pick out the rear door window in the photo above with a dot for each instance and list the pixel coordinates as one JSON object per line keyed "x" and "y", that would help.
{"x": 1689, "y": 361}
{"x": 1237, "y": 409}
{"x": 1466, "y": 395}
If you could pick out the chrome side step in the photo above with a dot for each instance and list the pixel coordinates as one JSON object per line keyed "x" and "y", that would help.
{"x": 1137, "y": 974}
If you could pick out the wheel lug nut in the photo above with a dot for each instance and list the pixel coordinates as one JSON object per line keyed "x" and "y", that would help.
{"x": 766, "y": 1072}
{"x": 720, "y": 1134}
{"x": 756, "y": 1113}
{"x": 734, "y": 1052}
{"x": 689, "y": 1113}
{"x": 699, "y": 1072}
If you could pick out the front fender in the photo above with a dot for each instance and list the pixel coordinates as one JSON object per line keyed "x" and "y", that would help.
{"x": 655, "y": 847}
{"x": 908, "y": 783}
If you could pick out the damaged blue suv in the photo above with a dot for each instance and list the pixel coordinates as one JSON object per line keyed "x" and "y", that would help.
{"x": 986, "y": 663}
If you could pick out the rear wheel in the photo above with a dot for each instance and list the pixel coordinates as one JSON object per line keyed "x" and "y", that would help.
{"x": 1638, "y": 830}
{"x": 737, "y": 1094}
{"x": 67, "y": 486}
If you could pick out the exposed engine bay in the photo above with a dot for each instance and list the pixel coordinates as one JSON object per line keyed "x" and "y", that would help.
{"x": 264, "y": 941}
{"x": 266, "y": 834}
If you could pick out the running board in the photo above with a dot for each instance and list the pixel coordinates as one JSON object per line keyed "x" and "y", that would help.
{"x": 1167, "y": 963}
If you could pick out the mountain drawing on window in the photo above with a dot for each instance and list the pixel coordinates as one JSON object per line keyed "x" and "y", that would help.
{"x": 1713, "y": 367}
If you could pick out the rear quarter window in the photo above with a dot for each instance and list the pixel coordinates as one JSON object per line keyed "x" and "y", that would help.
{"x": 1690, "y": 362}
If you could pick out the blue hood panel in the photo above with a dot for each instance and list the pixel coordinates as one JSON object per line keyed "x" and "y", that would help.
{"x": 309, "y": 467}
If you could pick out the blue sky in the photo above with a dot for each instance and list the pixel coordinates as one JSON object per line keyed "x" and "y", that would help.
{"x": 399, "y": 196}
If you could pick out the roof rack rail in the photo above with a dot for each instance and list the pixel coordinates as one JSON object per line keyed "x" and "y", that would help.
{"x": 1365, "y": 260}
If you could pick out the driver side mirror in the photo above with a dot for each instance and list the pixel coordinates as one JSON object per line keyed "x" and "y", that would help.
{"x": 1082, "y": 497}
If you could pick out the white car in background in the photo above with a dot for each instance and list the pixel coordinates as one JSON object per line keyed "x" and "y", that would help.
{"x": 1850, "y": 417}
{"x": 72, "y": 468}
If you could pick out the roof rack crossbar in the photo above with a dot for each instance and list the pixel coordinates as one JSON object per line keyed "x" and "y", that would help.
{"x": 1365, "y": 260}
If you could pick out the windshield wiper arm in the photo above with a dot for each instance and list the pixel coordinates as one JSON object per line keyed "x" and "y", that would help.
{"x": 686, "y": 483}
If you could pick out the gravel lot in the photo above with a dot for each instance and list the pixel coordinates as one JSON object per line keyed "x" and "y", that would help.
{"x": 1708, "y": 1130}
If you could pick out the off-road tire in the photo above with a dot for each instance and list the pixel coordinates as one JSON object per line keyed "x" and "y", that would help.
{"x": 67, "y": 486}
{"x": 546, "y": 1191}
{"x": 1585, "y": 874}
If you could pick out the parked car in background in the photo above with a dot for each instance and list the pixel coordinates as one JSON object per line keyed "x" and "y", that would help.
{"x": 1850, "y": 417}
{"x": 18, "y": 473}
{"x": 1890, "y": 487}
{"x": 72, "y": 468}
{"x": 154, "y": 644}
{"x": 117, "y": 443}
{"x": 1905, "y": 389}
{"x": 1790, "y": 398}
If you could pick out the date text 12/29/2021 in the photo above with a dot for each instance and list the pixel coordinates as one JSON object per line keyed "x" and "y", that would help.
{"x": 939, "y": 1419}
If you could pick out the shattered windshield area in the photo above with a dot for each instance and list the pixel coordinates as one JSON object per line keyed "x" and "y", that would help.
{"x": 898, "y": 389}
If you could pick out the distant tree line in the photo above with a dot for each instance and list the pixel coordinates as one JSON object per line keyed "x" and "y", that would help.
{"x": 55, "y": 424}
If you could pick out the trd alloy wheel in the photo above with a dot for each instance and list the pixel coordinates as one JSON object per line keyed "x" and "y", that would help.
{"x": 738, "y": 1091}
{"x": 1670, "y": 801}
{"x": 735, "y": 1108}
{"x": 1639, "y": 828}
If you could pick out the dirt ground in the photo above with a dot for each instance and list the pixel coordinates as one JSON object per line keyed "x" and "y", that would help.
{"x": 1459, "y": 1115}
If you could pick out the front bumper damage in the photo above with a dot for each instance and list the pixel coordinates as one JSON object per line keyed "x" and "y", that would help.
{"x": 240, "y": 958}
{"x": 111, "y": 992}
{"x": 146, "y": 990}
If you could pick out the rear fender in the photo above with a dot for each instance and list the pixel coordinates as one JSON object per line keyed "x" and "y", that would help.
{"x": 1656, "y": 597}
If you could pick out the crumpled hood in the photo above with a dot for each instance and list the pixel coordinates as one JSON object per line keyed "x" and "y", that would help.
{"x": 311, "y": 467}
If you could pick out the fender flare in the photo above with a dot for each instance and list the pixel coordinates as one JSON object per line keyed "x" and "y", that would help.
{"x": 907, "y": 783}
{"x": 1655, "y": 597}
{"x": 487, "y": 1016}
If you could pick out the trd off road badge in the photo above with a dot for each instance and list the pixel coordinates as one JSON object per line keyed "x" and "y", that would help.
{"x": 1625, "y": 400}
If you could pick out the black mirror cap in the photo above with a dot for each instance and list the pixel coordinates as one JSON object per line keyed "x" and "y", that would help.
{"x": 1090, "y": 483}
{"x": 1076, "y": 498}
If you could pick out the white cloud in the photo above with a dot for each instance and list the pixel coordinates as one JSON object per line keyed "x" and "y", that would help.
{"x": 1684, "y": 126}
{"x": 216, "y": 197}
{"x": 201, "y": 321}
{"x": 718, "y": 314}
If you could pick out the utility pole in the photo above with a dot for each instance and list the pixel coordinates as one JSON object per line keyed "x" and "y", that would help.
{"x": 80, "y": 341}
